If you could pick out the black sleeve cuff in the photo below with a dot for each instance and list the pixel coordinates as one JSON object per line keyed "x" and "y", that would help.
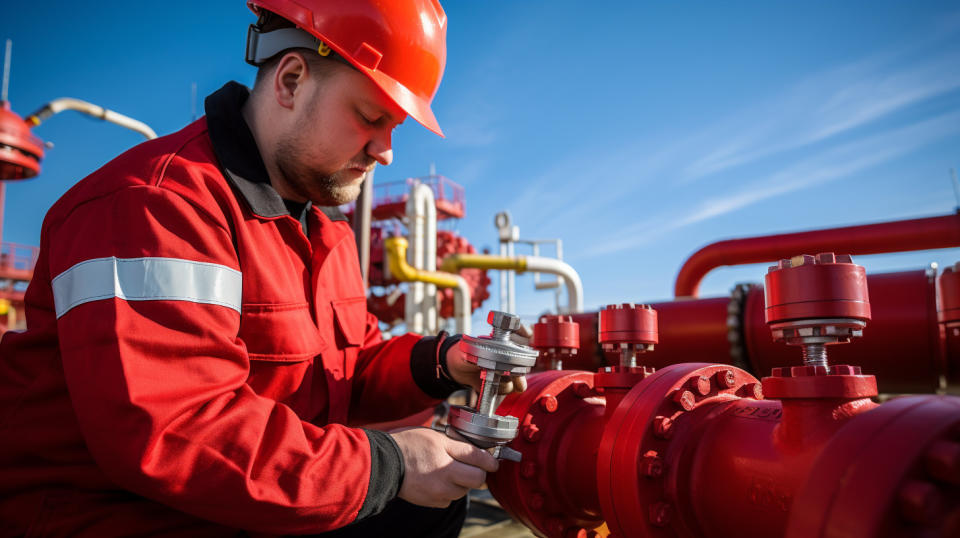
{"x": 386, "y": 473}
{"x": 423, "y": 366}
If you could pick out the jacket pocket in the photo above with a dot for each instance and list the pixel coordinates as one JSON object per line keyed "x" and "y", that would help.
{"x": 280, "y": 332}
{"x": 351, "y": 316}
{"x": 282, "y": 342}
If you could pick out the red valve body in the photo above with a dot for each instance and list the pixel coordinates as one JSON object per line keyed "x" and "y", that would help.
{"x": 20, "y": 150}
{"x": 815, "y": 287}
{"x": 557, "y": 338}
{"x": 628, "y": 324}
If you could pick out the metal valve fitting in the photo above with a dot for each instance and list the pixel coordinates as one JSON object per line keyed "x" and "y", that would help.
{"x": 627, "y": 329}
{"x": 496, "y": 356}
{"x": 816, "y": 301}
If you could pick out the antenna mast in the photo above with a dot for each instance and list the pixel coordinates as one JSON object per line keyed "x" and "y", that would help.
{"x": 6, "y": 70}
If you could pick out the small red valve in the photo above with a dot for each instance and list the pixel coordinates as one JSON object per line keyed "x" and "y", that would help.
{"x": 20, "y": 151}
{"x": 816, "y": 301}
{"x": 626, "y": 329}
{"x": 556, "y": 338}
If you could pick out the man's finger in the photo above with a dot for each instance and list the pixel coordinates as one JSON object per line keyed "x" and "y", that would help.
{"x": 468, "y": 476}
{"x": 520, "y": 384}
{"x": 471, "y": 455}
{"x": 512, "y": 384}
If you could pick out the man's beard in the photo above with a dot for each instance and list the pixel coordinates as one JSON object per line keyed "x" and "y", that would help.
{"x": 317, "y": 186}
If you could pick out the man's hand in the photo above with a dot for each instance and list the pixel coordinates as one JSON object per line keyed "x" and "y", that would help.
{"x": 468, "y": 374}
{"x": 439, "y": 469}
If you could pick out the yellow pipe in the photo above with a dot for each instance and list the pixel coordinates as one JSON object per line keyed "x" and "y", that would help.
{"x": 455, "y": 262}
{"x": 396, "y": 249}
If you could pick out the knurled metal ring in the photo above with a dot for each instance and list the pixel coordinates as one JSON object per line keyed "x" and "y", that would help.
{"x": 499, "y": 352}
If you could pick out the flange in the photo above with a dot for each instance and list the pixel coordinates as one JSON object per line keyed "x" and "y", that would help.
{"x": 840, "y": 381}
{"x": 637, "y": 438}
{"x": 561, "y": 420}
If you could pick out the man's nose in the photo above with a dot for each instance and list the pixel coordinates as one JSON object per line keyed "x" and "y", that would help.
{"x": 380, "y": 147}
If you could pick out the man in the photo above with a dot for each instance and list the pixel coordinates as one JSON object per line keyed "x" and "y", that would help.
{"x": 198, "y": 343}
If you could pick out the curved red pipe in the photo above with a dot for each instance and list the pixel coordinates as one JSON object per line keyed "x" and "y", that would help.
{"x": 896, "y": 236}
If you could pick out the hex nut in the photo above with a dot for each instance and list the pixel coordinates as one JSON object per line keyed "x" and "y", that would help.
{"x": 685, "y": 399}
{"x": 701, "y": 384}
{"x": 663, "y": 427}
{"x": 503, "y": 320}
{"x": 751, "y": 390}
{"x": 652, "y": 466}
{"x": 548, "y": 403}
{"x": 660, "y": 514}
{"x": 582, "y": 389}
{"x": 726, "y": 379}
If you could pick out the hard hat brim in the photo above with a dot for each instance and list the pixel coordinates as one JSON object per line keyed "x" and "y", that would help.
{"x": 416, "y": 107}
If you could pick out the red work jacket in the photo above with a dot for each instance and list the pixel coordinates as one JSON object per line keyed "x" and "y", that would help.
{"x": 192, "y": 357}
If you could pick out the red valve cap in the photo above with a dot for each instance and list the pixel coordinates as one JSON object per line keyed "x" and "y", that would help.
{"x": 556, "y": 332}
{"x": 816, "y": 287}
{"x": 20, "y": 151}
{"x": 628, "y": 324}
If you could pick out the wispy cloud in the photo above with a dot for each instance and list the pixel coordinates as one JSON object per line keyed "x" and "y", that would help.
{"x": 825, "y": 167}
{"x": 840, "y": 107}
{"x": 826, "y": 105}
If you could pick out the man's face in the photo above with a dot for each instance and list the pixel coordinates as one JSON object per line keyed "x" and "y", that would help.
{"x": 343, "y": 127}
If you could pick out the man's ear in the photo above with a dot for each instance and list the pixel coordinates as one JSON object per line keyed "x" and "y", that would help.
{"x": 289, "y": 78}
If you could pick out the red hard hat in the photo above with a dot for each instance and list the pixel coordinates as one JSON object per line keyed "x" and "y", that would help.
{"x": 400, "y": 45}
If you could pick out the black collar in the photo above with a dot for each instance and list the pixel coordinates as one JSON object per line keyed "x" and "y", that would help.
{"x": 239, "y": 157}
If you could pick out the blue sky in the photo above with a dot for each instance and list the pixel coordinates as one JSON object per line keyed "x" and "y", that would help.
{"x": 636, "y": 132}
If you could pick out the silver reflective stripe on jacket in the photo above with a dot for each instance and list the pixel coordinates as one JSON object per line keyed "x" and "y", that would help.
{"x": 147, "y": 279}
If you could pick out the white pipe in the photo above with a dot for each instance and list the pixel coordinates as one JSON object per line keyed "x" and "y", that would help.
{"x": 570, "y": 278}
{"x": 511, "y": 281}
{"x": 461, "y": 305}
{"x": 504, "y": 297}
{"x": 68, "y": 103}
{"x": 421, "y": 303}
